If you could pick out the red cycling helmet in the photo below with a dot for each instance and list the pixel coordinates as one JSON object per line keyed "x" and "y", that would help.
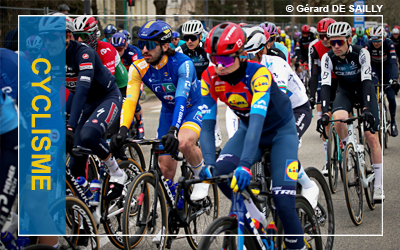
{"x": 305, "y": 29}
{"x": 242, "y": 24}
{"x": 278, "y": 30}
{"x": 353, "y": 31}
{"x": 322, "y": 26}
{"x": 225, "y": 39}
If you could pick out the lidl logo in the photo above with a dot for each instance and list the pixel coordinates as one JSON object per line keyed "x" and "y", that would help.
{"x": 292, "y": 169}
{"x": 238, "y": 101}
{"x": 204, "y": 88}
{"x": 261, "y": 85}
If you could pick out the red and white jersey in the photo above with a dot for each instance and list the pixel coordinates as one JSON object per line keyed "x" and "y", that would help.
{"x": 108, "y": 55}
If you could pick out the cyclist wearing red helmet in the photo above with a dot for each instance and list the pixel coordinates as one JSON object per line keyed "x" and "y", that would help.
{"x": 249, "y": 90}
{"x": 304, "y": 42}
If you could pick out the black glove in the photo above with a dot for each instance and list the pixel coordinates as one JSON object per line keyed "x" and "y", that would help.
{"x": 395, "y": 86}
{"x": 369, "y": 119}
{"x": 69, "y": 138}
{"x": 312, "y": 102}
{"x": 322, "y": 122}
{"x": 117, "y": 141}
{"x": 170, "y": 140}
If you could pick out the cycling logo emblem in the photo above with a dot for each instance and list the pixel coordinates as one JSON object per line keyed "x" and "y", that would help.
{"x": 204, "y": 88}
{"x": 292, "y": 169}
{"x": 238, "y": 100}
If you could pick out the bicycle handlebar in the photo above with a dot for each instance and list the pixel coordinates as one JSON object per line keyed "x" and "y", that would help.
{"x": 351, "y": 120}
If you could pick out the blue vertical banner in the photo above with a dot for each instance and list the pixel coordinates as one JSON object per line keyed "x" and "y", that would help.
{"x": 358, "y": 19}
{"x": 42, "y": 125}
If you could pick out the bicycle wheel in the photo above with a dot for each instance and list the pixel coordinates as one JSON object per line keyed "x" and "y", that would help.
{"x": 144, "y": 214}
{"x": 333, "y": 159}
{"x": 387, "y": 125}
{"x": 309, "y": 223}
{"x": 40, "y": 247}
{"x": 224, "y": 236}
{"x": 353, "y": 190}
{"x": 324, "y": 210}
{"x": 368, "y": 170}
{"x": 135, "y": 152}
{"x": 82, "y": 226}
{"x": 382, "y": 128}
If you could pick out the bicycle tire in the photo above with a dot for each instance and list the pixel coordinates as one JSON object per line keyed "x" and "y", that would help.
{"x": 387, "y": 126}
{"x": 113, "y": 226}
{"x": 135, "y": 152}
{"x": 382, "y": 127}
{"x": 308, "y": 222}
{"x": 226, "y": 225}
{"x": 333, "y": 164}
{"x": 368, "y": 170}
{"x": 324, "y": 210}
{"x": 353, "y": 188}
{"x": 40, "y": 247}
{"x": 141, "y": 192}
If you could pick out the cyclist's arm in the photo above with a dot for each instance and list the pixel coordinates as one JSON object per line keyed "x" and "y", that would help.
{"x": 366, "y": 79}
{"x": 261, "y": 88}
{"x": 85, "y": 79}
{"x": 209, "y": 111}
{"x": 326, "y": 78}
{"x": 186, "y": 73}
{"x": 132, "y": 96}
{"x": 313, "y": 64}
{"x": 281, "y": 71}
{"x": 392, "y": 60}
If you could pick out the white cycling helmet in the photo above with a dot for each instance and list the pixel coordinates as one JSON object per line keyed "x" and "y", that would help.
{"x": 314, "y": 30}
{"x": 85, "y": 24}
{"x": 34, "y": 42}
{"x": 54, "y": 24}
{"x": 395, "y": 31}
{"x": 377, "y": 32}
{"x": 192, "y": 27}
{"x": 256, "y": 39}
{"x": 339, "y": 29}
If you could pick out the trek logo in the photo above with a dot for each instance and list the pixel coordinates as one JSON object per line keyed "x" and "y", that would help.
{"x": 164, "y": 87}
{"x": 230, "y": 33}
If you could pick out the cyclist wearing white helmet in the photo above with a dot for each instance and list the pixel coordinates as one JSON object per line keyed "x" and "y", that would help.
{"x": 34, "y": 46}
{"x": 394, "y": 36}
{"x": 352, "y": 67}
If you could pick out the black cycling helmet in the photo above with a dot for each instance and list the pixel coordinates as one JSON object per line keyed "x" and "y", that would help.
{"x": 63, "y": 7}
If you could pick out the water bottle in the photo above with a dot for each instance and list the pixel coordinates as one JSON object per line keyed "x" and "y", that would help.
{"x": 180, "y": 200}
{"x": 8, "y": 240}
{"x": 360, "y": 150}
{"x": 172, "y": 187}
{"x": 85, "y": 185}
{"x": 95, "y": 188}
{"x": 22, "y": 242}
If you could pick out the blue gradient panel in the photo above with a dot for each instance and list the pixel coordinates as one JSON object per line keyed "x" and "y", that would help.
{"x": 42, "y": 126}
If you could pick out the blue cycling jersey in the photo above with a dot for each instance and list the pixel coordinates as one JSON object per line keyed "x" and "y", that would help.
{"x": 389, "y": 57}
{"x": 9, "y": 72}
{"x": 282, "y": 48}
{"x": 179, "y": 44}
{"x": 8, "y": 114}
{"x": 130, "y": 55}
{"x": 360, "y": 41}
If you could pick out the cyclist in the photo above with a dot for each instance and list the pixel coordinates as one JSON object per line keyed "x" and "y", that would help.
{"x": 290, "y": 84}
{"x": 367, "y": 32}
{"x": 375, "y": 46}
{"x": 270, "y": 50}
{"x": 304, "y": 42}
{"x": 250, "y": 91}
{"x": 192, "y": 31}
{"x": 286, "y": 41}
{"x": 129, "y": 54}
{"x": 316, "y": 50}
{"x": 176, "y": 40}
{"x": 127, "y": 35}
{"x": 34, "y": 48}
{"x": 353, "y": 31}
{"x": 63, "y": 8}
{"x": 351, "y": 65}
{"x": 172, "y": 77}
{"x": 396, "y": 40}
{"x": 108, "y": 32}
{"x": 273, "y": 32}
{"x": 360, "y": 38}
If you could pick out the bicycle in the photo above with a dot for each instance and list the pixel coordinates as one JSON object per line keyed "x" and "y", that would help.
{"x": 147, "y": 202}
{"x": 233, "y": 226}
{"x": 107, "y": 212}
{"x": 357, "y": 157}
{"x": 334, "y": 157}
{"x": 384, "y": 125}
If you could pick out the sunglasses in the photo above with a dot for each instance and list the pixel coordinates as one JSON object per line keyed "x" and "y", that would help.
{"x": 271, "y": 39}
{"x": 33, "y": 50}
{"x": 150, "y": 45}
{"x": 339, "y": 42}
{"x": 322, "y": 36}
{"x": 225, "y": 61}
{"x": 305, "y": 33}
{"x": 51, "y": 37}
{"x": 190, "y": 37}
{"x": 82, "y": 35}
{"x": 119, "y": 49}
{"x": 376, "y": 41}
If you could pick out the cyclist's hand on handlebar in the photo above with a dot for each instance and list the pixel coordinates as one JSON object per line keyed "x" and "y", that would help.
{"x": 170, "y": 140}
{"x": 241, "y": 179}
{"x": 312, "y": 102}
{"x": 369, "y": 119}
{"x": 395, "y": 85}
{"x": 70, "y": 138}
{"x": 322, "y": 123}
{"x": 206, "y": 172}
{"x": 117, "y": 141}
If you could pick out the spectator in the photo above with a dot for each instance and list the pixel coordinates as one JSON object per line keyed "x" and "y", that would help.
{"x": 63, "y": 8}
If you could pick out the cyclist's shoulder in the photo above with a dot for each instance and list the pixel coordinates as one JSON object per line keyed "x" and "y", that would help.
{"x": 178, "y": 59}
{"x": 141, "y": 65}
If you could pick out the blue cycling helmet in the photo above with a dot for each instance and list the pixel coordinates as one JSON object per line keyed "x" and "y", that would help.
{"x": 175, "y": 34}
{"x": 158, "y": 31}
{"x": 126, "y": 33}
{"x": 110, "y": 29}
{"x": 118, "y": 40}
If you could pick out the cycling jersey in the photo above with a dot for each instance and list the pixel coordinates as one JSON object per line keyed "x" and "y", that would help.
{"x": 9, "y": 72}
{"x": 388, "y": 57}
{"x": 396, "y": 43}
{"x": 8, "y": 114}
{"x": 172, "y": 46}
{"x": 121, "y": 75}
{"x": 130, "y": 55}
{"x": 276, "y": 52}
{"x": 94, "y": 81}
{"x": 282, "y": 48}
{"x": 304, "y": 43}
{"x": 173, "y": 81}
{"x": 359, "y": 40}
{"x": 199, "y": 57}
{"x": 108, "y": 55}
{"x": 288, "y": 81}
{"x": 287, "y": 42}
{"x": 353, "y": 74}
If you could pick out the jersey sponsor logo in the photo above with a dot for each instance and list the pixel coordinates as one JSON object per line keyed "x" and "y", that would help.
{"x": 142, "y": 64}
{"x": 187, "y": 84}
{"x": 100, "y": 111}
{"x": 198, "y": 116}
{"x": 204, "y": 88}
{"x": 260, "y": 104}
{"x": 238, "y": 100}
{"x": 111, "y": 114}
{"x": 219, "y": 88}
{"x": 292, "y": 169}
{"x": 85, "y": 78}
{"x": 85, "y": 56}
{"x": 353, "y": 65}
{"x": 239, "y": 43}
{"x": 284, "y": 190}
{"x": 204, "y": 109}
{"x": 84, "y": 66}
{"x": 363, "y": 59}
{"x": 164, "y": 87}
{"x": 219, "y": 83}
{"x": 230, "y": 33}
{"x": 325, "y": 76}
{"x": 95, "y": 121}
{"x": 169, "y": 97}
{"x": 104, "y": 51}
{"x": 135, "y": 57}
{"x": 262, "y": 84}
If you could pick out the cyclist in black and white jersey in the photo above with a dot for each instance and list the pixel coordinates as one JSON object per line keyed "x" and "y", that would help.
{"x": 351, "y": 64}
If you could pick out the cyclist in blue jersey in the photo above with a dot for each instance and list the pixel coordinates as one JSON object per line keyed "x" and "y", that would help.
{"x": 176, "y": 40}
{"x": 375, "y": 46}
{"x": 172, "y": 77}
{"x": 266, "y": 119}
{"x": 360, "y": 38}
{"x": 108, "y": 32}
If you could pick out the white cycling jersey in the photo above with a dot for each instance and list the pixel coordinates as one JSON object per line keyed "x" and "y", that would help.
{"x": 287, "y": 80}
